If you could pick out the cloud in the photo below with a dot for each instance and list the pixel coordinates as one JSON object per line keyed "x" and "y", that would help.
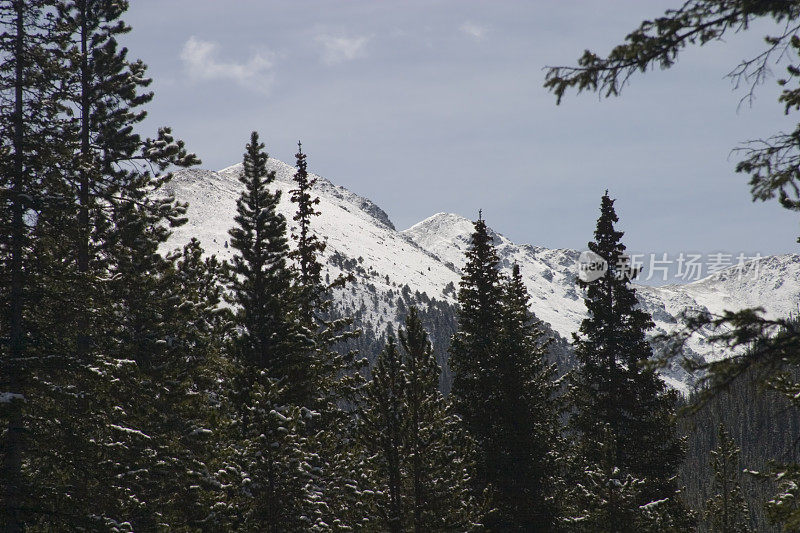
{"x": 201, "y": 62}
{"x": 338, "y": 49}
{"x": 473, "y": 30}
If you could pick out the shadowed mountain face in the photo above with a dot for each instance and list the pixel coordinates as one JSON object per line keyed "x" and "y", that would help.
{"x": 421, "y": 266}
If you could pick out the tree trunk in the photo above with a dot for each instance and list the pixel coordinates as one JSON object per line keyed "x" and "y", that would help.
{"x": 12, "y": 460}
{"x": 84, "y": 193}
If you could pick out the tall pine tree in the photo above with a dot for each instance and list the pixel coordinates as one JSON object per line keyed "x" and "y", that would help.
{"x": 28, "y": 150}
{"x": 261, "y": 279}
{"x": 504, "y": 390}
{"x": 309, "y": 246}
{"x": 382, "y": 433}
{"x": 622, "y": 412}
{"x": 72, "y": 372}
{"x": 527, "y": 430}
{"x": 272, "y": 476}
{"x": 475, "y": 347}
{"x": 333, "y": 371}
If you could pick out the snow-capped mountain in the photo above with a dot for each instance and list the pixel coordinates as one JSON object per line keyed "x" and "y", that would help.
{"x": 421, "y": 264}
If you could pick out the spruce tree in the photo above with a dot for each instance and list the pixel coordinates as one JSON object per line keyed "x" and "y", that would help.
{"x": 84, "y": 237}
{"x": 28, "y": 149}
{"x": 605, "y": 498}
{"x": 726, "y": 510}
{"x": 615, "y": 396}
{"x": 79, "y": 96}
{"x": 382, "y": 433}
{"x": 268, "y": 451}
{"x": 261, "y": 279}
{"x": 505, "y": 391}
{"x": 333, "y": 370}
{"x": 171, "y": 326}
{"x": 113, "y": 164}
{"x": 309, "y": 246}
{"x": 527, "y": 427}
{"x": 437, "y": 454}
{"x": 419, "y": 461}
{"x": 474, "y": 347}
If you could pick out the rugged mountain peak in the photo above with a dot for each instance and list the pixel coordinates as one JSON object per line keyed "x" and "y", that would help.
{"x": 421, "y": 265}
{"x": 284, "y": 173}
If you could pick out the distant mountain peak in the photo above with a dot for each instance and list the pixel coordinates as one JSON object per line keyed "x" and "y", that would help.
{"x": 425, "y": 261}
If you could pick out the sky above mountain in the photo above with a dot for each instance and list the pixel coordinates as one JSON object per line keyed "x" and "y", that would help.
{"x": 430, "y": 106}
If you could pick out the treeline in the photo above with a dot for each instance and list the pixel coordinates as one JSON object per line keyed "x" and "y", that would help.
{"x": 763, "y": 425}
{"x": 143, "y": 391}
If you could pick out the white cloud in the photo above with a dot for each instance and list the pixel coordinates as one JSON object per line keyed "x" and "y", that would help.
{"x": 201, "y": 62}
{"x": 338, "y": 49}
{"x": 473, "y": 30}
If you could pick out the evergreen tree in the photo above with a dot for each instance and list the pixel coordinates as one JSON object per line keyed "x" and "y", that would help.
{"x": 264, "y": 469}
{"x": 755, "y": 341}
{"x": 309, "y": 246}
{"x": 333, "y": 369}
{"x": 437, "y": 454}
{"x": 171, "y": 326}
{"x": 605, "y": 498}
{"x": 268, "y": 451}
{"x": 382, "y": 432}
{"x": 28, "y": 148}
{"x": 726, "y": 510}
{"x": 526, "y": 435}
{"x": 419, "y": 460}
{"x": 113, "y": 163}
{"x": 505, "y": 392}
{"x": 261, "y": 280}
{"x": 72, "y": 372}
{"x": 614, "y": 395}
{"x": 475, "y": 346}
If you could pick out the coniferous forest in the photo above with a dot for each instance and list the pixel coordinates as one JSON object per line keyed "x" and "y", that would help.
{"x": 151, "y": 389}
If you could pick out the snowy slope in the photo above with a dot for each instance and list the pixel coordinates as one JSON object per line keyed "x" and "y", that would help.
{"x": 356, "y": 231}
{"x": 428, "y": 256}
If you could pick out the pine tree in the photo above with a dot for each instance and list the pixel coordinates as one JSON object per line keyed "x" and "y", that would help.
{"x": 264, "y": 462}
{"x": 28, "y": 148}
{"x": 103, "y": 219}
{"x": 605, "y": 498}
{"x": 309, "y": 246}
{"x": 505, "y": 392}
{"x": 437, "y": 454}
{"x": 268, "y": 451}
{"x": 113, "y": 163}
{"x": 726, "y": 510}
{"x": 334, "y": 370}
{"x": 68, "y": 381}
{"x": 171, "y": 325}
{"x": 382, "y": 433}
{"x": 419, "y": 460}
{"x": 475, "y": 346}
{"x": 261, "y": 280}
{"x": 771, "y": 163}
{"x": 527, "y": 427}
{"x": 614, "y": 395}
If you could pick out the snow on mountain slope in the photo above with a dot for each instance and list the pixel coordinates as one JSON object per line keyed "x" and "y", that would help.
{"x": 428, "y": 257}
{"x": 360, "y": 237}
{"x": 549, "y": 274}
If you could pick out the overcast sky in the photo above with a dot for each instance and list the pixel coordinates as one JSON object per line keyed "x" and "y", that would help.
{"x": 429, "y": 106}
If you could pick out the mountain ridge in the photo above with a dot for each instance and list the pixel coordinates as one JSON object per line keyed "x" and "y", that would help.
{"x": 421, "y": 265}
